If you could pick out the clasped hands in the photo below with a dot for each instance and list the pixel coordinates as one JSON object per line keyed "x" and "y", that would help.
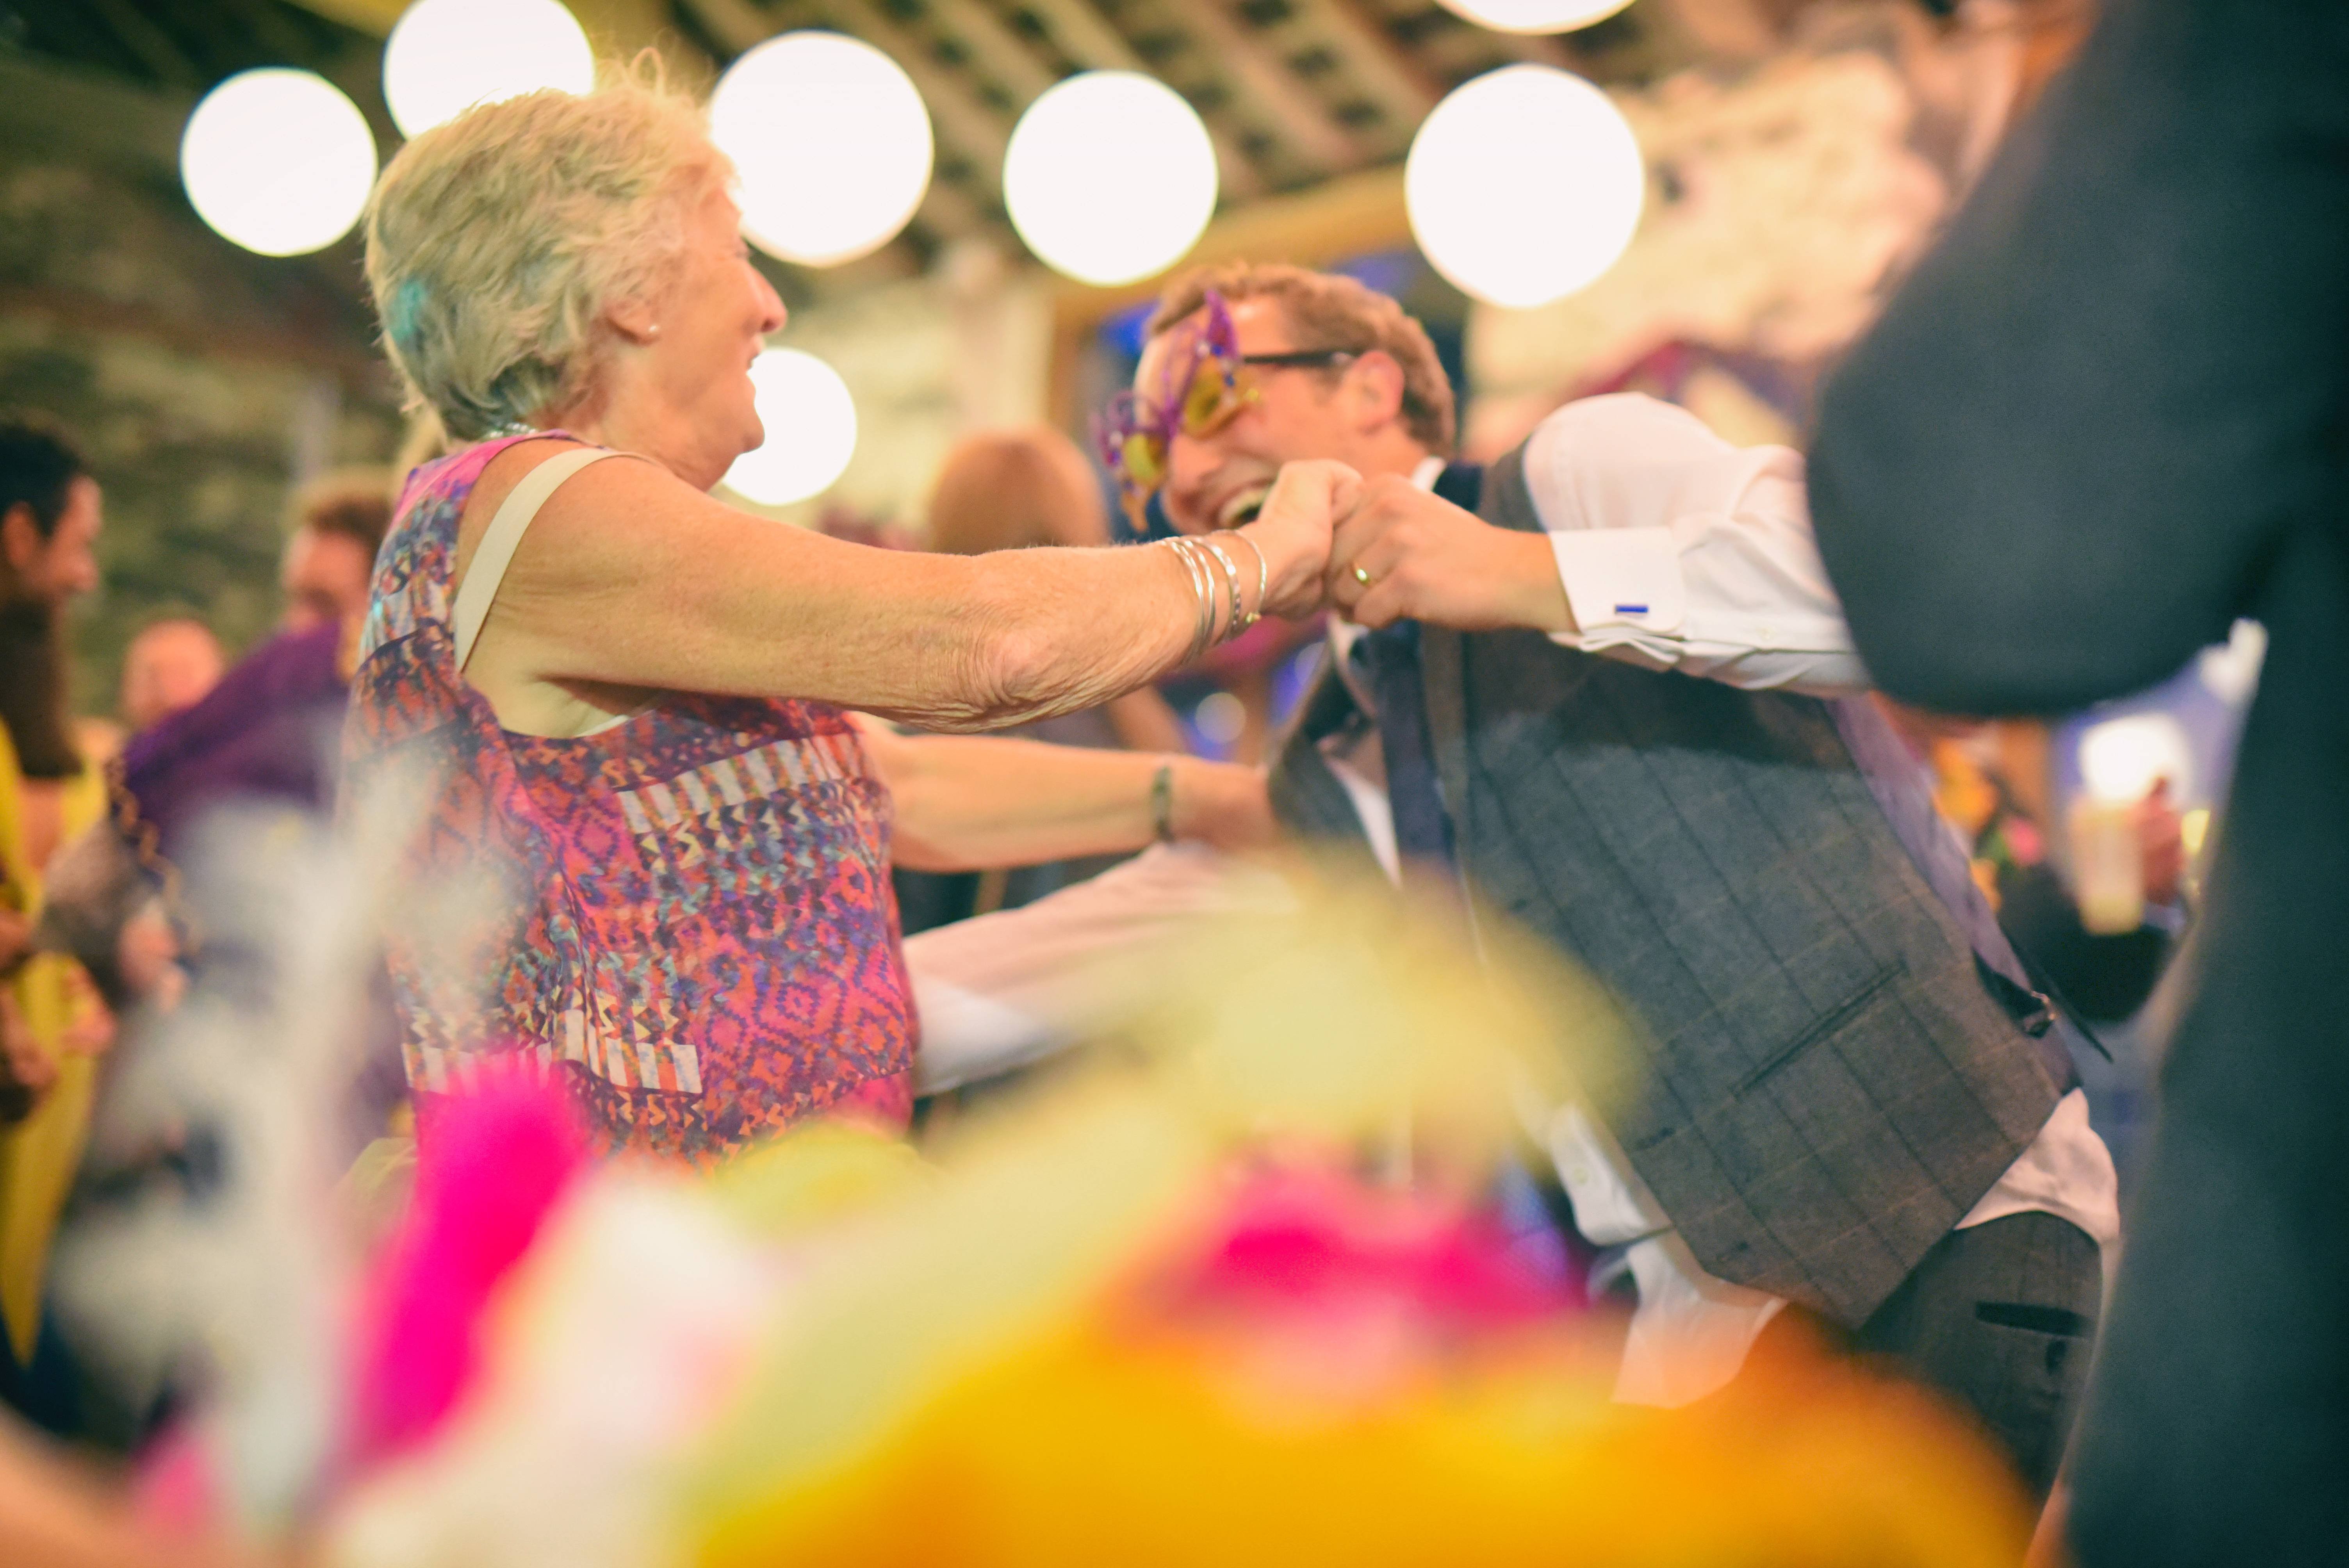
{"x": 1393, "y": 551}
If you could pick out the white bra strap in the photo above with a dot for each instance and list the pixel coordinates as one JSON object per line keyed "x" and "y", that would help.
{"x": 478, "y": 590}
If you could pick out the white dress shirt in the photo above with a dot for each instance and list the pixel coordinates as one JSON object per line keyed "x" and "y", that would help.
{"x": 1677, "y": 550}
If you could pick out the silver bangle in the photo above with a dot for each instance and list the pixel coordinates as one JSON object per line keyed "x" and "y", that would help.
{"x": 1263, "y": 579}
{"x": 1232, "y": 622}
{"x": 1203, "y": 593}
{"x": 1207, "y": 606}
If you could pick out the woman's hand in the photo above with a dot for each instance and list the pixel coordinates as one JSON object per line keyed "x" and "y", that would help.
{"x": 1222, "y": 803}
{"x": 1294, "y": 528}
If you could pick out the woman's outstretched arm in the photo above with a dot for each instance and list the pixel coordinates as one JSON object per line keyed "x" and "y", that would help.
{"x": 630, "y": 578}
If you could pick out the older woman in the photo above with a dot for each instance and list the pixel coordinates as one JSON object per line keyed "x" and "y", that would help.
{"x": 654, "y": 848}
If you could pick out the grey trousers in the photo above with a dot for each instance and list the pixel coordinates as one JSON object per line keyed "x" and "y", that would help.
{"x": 2003, "y": 1318}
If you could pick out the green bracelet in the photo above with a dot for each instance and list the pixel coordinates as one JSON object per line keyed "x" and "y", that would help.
{"x": 1161, "y": 803}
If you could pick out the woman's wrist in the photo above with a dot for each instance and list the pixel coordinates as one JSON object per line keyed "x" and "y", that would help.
{"x": 1221, "y": 803}
{"x": 1285, "y": 565}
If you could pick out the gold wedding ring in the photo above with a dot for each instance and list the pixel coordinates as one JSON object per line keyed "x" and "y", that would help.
{"x": 1362, "y": 577}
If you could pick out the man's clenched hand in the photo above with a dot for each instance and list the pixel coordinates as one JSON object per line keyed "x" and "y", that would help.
{"x": 1427, "y": 559}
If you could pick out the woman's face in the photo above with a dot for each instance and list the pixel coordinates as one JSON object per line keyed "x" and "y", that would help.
{"x": 709, "y": 329}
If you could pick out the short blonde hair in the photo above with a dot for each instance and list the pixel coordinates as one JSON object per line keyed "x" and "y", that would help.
{"x": 494, "y": 242}
{"x": 1009, "y": 490}
{"x": 1328, "y": 310}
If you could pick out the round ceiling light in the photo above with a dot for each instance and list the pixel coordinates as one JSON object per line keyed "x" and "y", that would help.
{"x": 278, "y": 160}
{"x": 831, "y": 143}
{"x": 1110, "y": 177}
{"x": 446, "y": 55}
{"x": 1534, "y": 15}
{"x": 811, "y": 424}
{"x": 1524, "y": 185}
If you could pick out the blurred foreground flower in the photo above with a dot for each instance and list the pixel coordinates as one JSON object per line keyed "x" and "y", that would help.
{"x": 1153, "y": 1313}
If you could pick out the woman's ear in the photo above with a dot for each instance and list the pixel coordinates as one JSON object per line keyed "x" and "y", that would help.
{"x": 632, "y": 319}
{"x": 1375, "y": 382}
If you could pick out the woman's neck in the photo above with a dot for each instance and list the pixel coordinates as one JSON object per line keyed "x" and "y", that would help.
{"x": 628, "y": 421}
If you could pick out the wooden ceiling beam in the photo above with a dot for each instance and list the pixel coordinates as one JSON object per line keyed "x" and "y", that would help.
{"x": 1078, "y": 31}
{"x": 1401, "y": 87}
{"x": 375, "y": 16}
{"x": 1271, "y": 94}
{"x": 969, "y": 125}
{"x": 149, "y": 44}
{"x": 994, "y": 49}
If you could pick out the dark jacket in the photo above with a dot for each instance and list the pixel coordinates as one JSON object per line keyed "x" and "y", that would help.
{"x": 2108, "y": 417}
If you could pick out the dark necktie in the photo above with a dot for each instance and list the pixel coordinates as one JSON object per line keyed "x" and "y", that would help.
{"x": 1422, "y": 826}
{"x": 1391, "y": 657}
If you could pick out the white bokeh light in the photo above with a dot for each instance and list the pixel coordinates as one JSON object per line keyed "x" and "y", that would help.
{"x": 1534, "y": 15}
{"x": 2121, "y": 759}
{"x": 811, "y": 424}
{"x": 832, "y": 142}
{"x": 278, "y": 160}
{"x": 1524, "y": 185}
{"x": 1110, "y": 177}
{"x": 446, "y": 55}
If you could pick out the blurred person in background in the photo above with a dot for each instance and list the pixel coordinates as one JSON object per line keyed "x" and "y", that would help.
{"x": 167, "y": 667}
{"x": 269, "y": 728}
{"x": 51, "y": 1022}
{"x": 1853, "y": 1102}
{"x": 621, "y": 705}
{"x": 2106, "y": 419}
{"x": 1992, "y": 782}
{"x": 339, "y": 523}
{"x": 1018, "y": 490}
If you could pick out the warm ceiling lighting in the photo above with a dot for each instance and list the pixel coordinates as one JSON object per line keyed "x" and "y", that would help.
{"x": 831, "y": 143}
{"x": 446, "y": 55}
{"x": 1110, "y": 177}
{"x": 1534, "y": 16}
{"x": 1524, "y": 185}
{"x": 278, "y": 160}
{"x": 811, "y": 424}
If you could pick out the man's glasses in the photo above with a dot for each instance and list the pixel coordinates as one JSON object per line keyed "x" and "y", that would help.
{"x": 1203, "y": 385}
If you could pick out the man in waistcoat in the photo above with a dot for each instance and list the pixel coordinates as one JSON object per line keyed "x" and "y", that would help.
{"x": 1606, "y": 684}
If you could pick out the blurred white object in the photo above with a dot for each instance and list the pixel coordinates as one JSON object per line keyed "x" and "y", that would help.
{"x": 2121, "y": 760}
{"x": 832, "y": 142}
{"x": 207, "y": 1253}
{"x": 634, "y": 1320}
{"x": 278, "y": 160}
{"x": 2231, "y": 670}
{"x": 2107, "y": 865}
{"x": 1110, "y": 177}
{"x": 811, "y": 423}
{"x": 446, "y": 55}
{"x": 1534, "y": 16}
{"x": 1524, "y": 185}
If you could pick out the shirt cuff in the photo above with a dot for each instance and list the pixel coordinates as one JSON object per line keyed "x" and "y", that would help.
{"x": 1621, "y": 583}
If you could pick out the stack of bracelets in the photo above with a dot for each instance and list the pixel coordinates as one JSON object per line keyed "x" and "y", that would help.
{"x": 1200, "y": 558}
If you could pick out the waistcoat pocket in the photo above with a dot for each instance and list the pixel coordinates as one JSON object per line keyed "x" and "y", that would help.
{"x": 1830, "y": 1023}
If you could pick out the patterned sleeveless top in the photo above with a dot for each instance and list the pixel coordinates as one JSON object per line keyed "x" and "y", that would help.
{"x": 686, "y": 915}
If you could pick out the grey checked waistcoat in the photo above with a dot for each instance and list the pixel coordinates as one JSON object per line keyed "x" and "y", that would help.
{"x": 1829, "y": 1084}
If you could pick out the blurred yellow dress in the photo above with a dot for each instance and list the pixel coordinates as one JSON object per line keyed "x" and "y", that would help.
{"x": 38, "y": 1155}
